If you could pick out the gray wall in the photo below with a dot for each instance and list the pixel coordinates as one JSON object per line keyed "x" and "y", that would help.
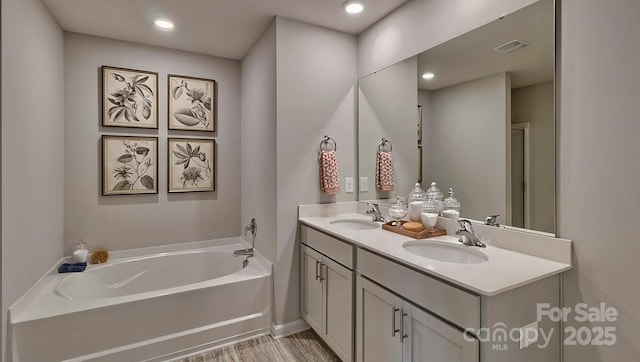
{"x": 534, "y": 104}
{"x": 123, "y": 222}
{"x": 32, "y": 147}
{"x": 316, "y": 79}
{"x": 387, "y": 107}
{"x": 598, "y": 172}
{"x": 421, "y": 24}
{"x": 258, "y": 133}
{"x": 465, "y": 144}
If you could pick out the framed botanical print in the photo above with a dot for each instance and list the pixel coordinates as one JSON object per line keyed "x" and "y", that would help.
{"x": 191, "y": 165}
{"x": 129, "y": 98}
{"x": 191, "y": 103}
{"x": 129, "y": 165}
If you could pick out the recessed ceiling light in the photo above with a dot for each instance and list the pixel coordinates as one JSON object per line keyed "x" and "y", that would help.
{"x": 353, "y": 6}
{"x": 164, "y": 24}
{"x": 428, "y": 76}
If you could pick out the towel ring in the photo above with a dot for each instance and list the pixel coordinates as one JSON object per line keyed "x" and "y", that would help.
{"x": 326, "y": 140}
{"x": 384, "y": 142}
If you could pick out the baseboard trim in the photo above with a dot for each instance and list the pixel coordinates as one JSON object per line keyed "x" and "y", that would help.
{"x": 287, "y": 329}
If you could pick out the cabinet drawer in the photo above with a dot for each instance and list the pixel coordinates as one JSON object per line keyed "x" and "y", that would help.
{"x": 327, "y": 245}
{"x": 455, "y": 305}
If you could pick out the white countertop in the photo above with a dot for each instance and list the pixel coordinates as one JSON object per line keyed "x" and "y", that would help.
{"x": 505, "y": 269}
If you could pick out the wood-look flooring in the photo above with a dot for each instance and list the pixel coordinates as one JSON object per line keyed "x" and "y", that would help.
{"x": 303, "y": 346}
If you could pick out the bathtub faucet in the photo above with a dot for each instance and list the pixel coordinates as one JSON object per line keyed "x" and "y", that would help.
{"x": 253, "y": 228}
{"x": 247, "y": 252}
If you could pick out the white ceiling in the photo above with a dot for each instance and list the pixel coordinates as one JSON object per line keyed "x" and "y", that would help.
{"x": 225, "y": 28}
{"x": 471, "y": 55}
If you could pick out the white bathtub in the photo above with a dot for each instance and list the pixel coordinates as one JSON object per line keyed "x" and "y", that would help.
{"x": 144, "y": 304}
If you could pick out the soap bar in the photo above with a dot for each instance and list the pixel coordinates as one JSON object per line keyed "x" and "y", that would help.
{"x": 413, "y": 226}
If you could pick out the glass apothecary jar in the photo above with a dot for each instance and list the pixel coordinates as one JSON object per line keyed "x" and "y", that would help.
{"x": 434, "y": 193}
{"x": 451, "y": 206}
{"x": 398, "y": 210}
{"x": 429, "y": 213}
{"x": 416, "y": 197}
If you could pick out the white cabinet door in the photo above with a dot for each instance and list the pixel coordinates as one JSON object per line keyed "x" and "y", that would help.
{"x": 432, "y": 340}
{"x": 311, "y": 303}
{"x": 377, "y": 324}
{"x": 338, "y": 308}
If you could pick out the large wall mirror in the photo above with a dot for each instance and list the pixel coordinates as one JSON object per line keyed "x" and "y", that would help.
{"x": 477, "y": 114}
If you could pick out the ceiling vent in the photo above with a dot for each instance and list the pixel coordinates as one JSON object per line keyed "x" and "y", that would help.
{"x": 511, "y": 46}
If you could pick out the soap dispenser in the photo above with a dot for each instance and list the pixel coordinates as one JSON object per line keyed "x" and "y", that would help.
{"x": 451, "y": 206}
{"x": 415, "y": 199}
{"x": 434, "y": 193}
{"x": 81, "y": 252}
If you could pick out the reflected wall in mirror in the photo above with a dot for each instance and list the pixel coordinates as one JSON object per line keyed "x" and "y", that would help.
{"x": 387, "y": 108}
{"x": 488, "y": 120}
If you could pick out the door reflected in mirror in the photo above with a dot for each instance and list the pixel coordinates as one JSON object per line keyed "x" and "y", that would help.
{"x": 476, "y": 114}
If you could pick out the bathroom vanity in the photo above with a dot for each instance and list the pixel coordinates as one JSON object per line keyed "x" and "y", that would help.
{"x": 327, "y": 289}
{"x": 374, "y": 295}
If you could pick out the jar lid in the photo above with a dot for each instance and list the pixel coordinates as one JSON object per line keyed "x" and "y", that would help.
{"x": 417, "y": 194}
{"x": 451, "y": 202}
{"x": 434, "y": 192}
{"x": 398, "y": 201}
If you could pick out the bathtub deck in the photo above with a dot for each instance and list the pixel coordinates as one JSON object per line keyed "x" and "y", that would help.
{"x": 303, "y": 346}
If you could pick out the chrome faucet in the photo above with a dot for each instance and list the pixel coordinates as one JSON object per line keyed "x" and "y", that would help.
{"x": 467, "y": 236}
{"x": 375, "y": 212}
{"x": 240, "y": 252}
{"x": 253, "y": 228}
{"x": 492, "y": 220}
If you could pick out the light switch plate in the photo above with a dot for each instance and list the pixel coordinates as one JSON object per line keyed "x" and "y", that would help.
{"x": 528, "y": 335}
{"x": 348, "y": 185}
{"x": 364, "y": 184}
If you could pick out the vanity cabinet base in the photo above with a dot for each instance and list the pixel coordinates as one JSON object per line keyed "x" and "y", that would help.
{"x": 327, "y": 292}
{"x": 390, "y": 328}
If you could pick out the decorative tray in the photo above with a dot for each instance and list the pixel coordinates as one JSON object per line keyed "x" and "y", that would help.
{"x": 424, "y": 234}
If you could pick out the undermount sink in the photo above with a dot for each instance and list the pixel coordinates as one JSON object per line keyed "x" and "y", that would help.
{"x": 444, "y": 251}
{"x": 356, "y": 224}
